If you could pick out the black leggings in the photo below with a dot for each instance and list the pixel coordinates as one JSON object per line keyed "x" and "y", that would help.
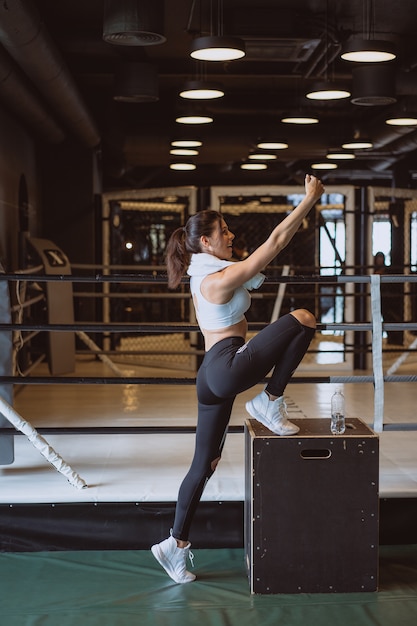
{"x": 228, "y": 368}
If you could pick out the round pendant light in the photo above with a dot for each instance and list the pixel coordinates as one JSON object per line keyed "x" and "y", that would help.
{"x": 194, "y": 119}
{"x": 359, "y": 50}
{"x": 262, "y": 156}
{"x": 340, "y": 155}
{"x": 186, "y": 143}
{"x": 217, "y": 48}
{"x": 183, "y": 152}
{"x": 253, "y": 166}
{"x": 323, "y": 166}
{"x": 402, "y": 120}
{"x": 270, "y": 144}
{"x": 362, "y": 143}
{"x": 201, "y": 90}
{"x": 297, "y": 118}
{"x": 327, "y": 91}
{"x": 182, "y": 166}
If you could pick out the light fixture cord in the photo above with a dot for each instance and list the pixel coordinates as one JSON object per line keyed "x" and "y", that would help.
{"x": 369, "y": 19}
{"x": 201, "y": 71}
{"x": 372, "y": 18}
{"x": 211, "y": 19}
{"x": 326, "y": 41}
{"x": 191, "y": 15}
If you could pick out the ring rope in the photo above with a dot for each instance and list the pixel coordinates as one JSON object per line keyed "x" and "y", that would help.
{"x": 147, "y": 279}
{"x": 153, "y": 380}
{"x": 376, "y": 327}
{"x": 183, "y": 327}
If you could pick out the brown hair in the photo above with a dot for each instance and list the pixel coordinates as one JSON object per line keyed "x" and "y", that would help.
{"x": 185, "y": 241}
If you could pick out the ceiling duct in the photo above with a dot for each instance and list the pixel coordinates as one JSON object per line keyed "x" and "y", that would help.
{"x": 20, "y": 98}
{"x": 133, "y": 23}
{"x": 24, "y": 36}
{"x": 373, "y": 85}
{"x": 398, "y": 149}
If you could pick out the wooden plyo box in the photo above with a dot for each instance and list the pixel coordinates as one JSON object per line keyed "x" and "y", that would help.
{"x": 311, "y": 508}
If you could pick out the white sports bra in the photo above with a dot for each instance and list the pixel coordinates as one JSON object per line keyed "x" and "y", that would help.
{"x": 216, "y": 316}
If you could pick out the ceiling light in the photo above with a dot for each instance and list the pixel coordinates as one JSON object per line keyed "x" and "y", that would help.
{"x": 402, "y": 121}
{"x": 323, "y": 166}
{"x": 341, "y": 156}
{"x": 357, "y": 144}
{"x": 262, "y": 156}
{"x": 217, "y": 48}
{"x": 253, "y": 166}
{"x": 186, "y": 143}
{"x": 299, "y": 119}
{"x": 361, "y": 50}
{"x": 201, "y": 90}
{"x": 183, "y": 152}
{"x": 327, "y": 91}
{"x": 194, "y": 119}
{"x": 182, "y": 166}
{"x": 272, "y": 145}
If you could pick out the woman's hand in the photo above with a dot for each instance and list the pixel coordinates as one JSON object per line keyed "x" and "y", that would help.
{"x": 313, "y": 186}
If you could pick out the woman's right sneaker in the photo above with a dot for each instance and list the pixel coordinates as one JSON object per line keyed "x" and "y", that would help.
{"x": 272, "y": 414}
{"x": 173, "y": 559}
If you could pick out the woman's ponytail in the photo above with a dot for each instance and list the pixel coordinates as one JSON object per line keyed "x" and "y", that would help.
{"x": 176, "y": 257}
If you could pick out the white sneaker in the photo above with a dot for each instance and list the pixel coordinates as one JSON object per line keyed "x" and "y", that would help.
{"x": 173, "y": 559}
{"x": 272, "y": 414}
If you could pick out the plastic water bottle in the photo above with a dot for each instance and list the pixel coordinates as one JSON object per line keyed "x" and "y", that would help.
{"x": 337, "y": 424}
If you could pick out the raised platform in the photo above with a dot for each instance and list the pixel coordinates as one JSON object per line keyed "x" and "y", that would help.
{"x": 133, "y": 479}
{"x": 312, "y": 509}
{"x": 133, "y": 482}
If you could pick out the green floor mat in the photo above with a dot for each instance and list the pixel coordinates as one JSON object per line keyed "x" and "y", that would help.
{"x": 122, "y": 588}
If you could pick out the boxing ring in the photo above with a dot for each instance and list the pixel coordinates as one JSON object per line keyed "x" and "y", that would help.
{"x": 122, "y": 435}
{"x": 99, "y": 438}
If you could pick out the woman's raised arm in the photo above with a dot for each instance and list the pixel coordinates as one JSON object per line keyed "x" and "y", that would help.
{"x": 238, "y": 273}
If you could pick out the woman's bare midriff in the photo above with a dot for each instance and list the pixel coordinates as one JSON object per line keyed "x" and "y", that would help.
{"x": 211, "y": 337}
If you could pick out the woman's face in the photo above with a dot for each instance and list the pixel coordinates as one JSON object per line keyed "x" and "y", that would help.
{"x": 219, "y": 242}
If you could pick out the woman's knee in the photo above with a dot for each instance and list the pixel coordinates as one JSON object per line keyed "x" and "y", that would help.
{"x": 304, "y": 317}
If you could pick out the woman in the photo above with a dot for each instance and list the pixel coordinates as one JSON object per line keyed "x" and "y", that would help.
{"x": 219, "y": 289}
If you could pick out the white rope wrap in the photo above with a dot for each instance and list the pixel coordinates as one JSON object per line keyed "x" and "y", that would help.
{"x": 377, "y": 353}
{"x": 41, "y": 444}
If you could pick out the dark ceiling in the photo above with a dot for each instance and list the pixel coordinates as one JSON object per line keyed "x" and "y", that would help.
{"x": 58, "y": 75}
